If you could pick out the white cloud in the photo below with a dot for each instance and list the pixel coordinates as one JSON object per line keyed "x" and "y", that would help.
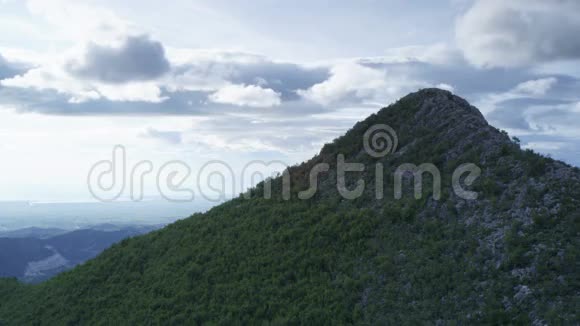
{"x": 119, "y": 74}
{"x": 498, "y": 33}
{"x": 182, "y": 56}
{"x": 205, "y": 69}
{"x": 79, "y": 22}
{"x": 264, "y": 133}
{"x": 168, "y": 137}
{"x": 87, "y": 73}
{"x": 25, "y": 57}
{"x": 556, "y": 120}
{"x": 211, "y": 69}
{"x": 132, "y": 92}
{"x": 347, "y": 80}
{"x": 446, "y": 87}
{"x": 364, "y": 82}
{"x": 246, "y": 95}
{"x": 545, "y": 145}
{"x": 535, "y": 87}
{"x": 54, "y": 77}
{"x": 439, "y": 54}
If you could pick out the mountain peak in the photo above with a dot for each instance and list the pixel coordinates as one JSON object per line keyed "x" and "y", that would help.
{"x": 429, "y": 92}
{"x": 425, "y": 118}
{"x": 438, "y": 103}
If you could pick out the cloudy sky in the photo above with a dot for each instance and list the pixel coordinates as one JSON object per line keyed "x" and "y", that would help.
{"x": 205, "y": 80}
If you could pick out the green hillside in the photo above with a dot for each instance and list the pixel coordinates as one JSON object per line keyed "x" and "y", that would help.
{"x": 510, "y": 256}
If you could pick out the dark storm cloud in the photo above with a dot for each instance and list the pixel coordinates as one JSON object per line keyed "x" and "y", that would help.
{"x": 137, "y": 59}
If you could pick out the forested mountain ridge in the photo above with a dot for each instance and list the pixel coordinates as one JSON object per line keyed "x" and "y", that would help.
{"x": 509, "y": 256}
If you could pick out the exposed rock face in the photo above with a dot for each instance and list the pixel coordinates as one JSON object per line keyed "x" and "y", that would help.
{"x": 46, "y": 267}
{"x": 519, "y": 192}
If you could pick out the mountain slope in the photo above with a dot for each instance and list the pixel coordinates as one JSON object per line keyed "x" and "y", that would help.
{"x": 29, "y": 256}
{"x": 35, "y": 233}
{"x": 508, "y": 256}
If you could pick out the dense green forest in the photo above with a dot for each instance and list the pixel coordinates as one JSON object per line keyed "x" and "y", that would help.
{"x": 511, "y": 256}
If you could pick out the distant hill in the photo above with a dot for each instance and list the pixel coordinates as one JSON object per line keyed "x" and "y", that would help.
{"x": 510, "y": 256}
{"x": 35, "y": 254}
{"x": 33, "y": 232}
